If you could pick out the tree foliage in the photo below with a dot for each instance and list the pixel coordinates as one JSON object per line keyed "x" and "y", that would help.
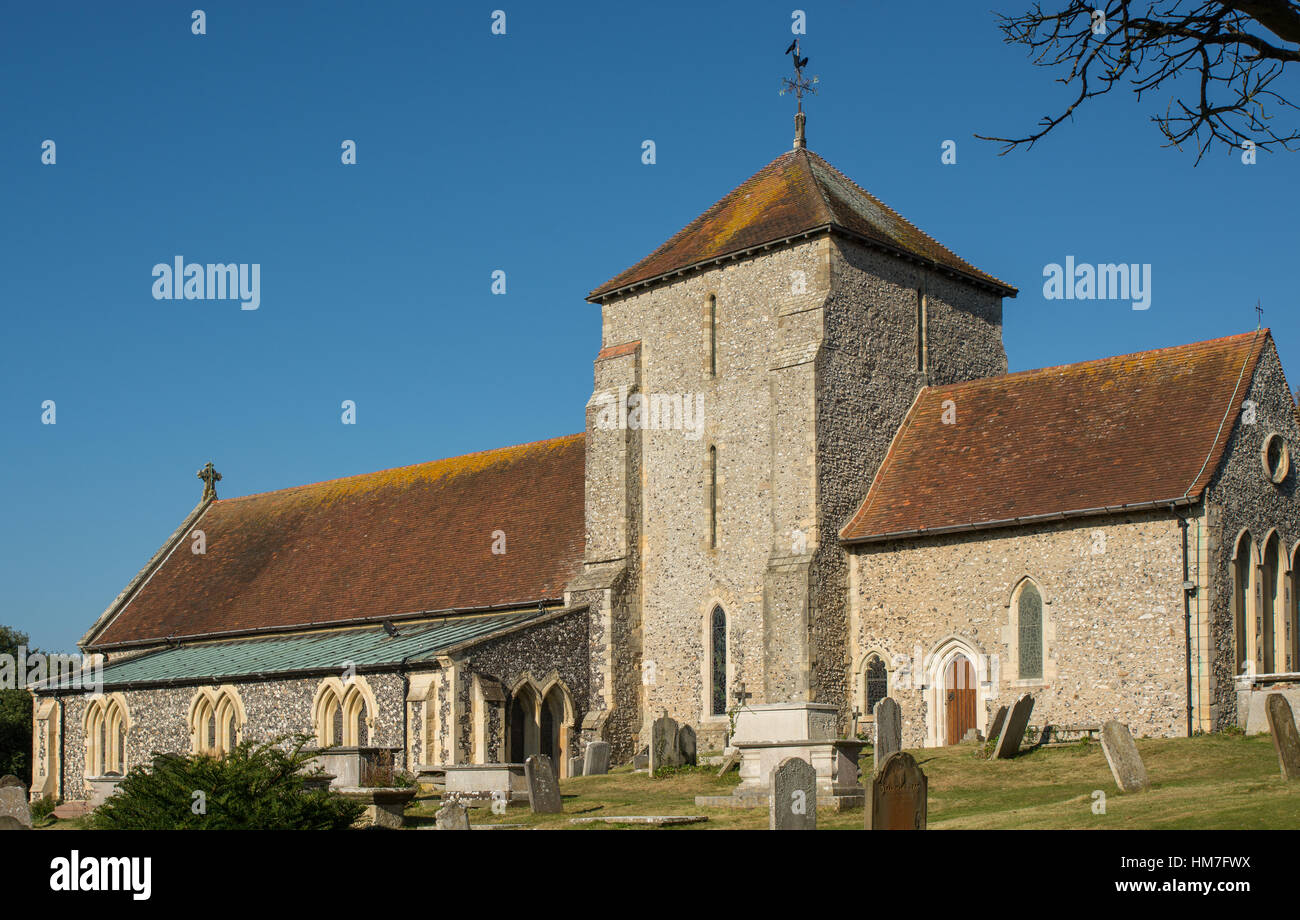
{"x": 15, "y": 716}
{"x": 254, "y": 787}
{"x": 1221, "y": 62}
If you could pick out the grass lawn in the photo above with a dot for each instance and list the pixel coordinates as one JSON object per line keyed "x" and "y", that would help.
{"x": 1208, "y": 782}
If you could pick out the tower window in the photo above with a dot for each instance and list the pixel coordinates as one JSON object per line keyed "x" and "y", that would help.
{"x": 713, "y": 336}
{"x": 713, "y": 496}
{"x": 718, "y": 663}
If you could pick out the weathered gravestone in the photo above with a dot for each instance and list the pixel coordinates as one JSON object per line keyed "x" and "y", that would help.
{"x": 1122, "y": 755}
{"x": 889, "y": 732}
{"x": 1285, "y": 739}
{"x": 686, "y": 748}
{"x": 543, "y": 791}
{"x": 8, "y": 823}
{"x": 10, "y": 780}
{"x": 995, "y": 727}
{"x": 453, "y": 816}
{"x": 1013, "y": 732}
{"x": 641, "y": 761}
{"x": 663, "y": 743}
{"x": 13, "y": 804}
{"x": 899, "y": 796}
{"x": 793, "y": 796}
{"x": 595, "y": 759}
{"x": 575, "y": 766}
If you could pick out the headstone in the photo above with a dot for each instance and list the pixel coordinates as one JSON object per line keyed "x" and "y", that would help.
{"x": 641, "y": 761}
{"x": 10, "y": 780}
{"x": 995, "y": 728}
{"x": 1282, "y": 724}
{"x": 13, "y": 804}
{"x": 543, "y": 791}
{"x": 595, "y": 761}
{"x": 575, "y": 766}
{"x": 889, "y": 731}
{"x": 453, "y": 816}
{"x": 686, "y": 749}
{"x": 1014, "y": 731}
{"x": 899, "y": 796}
{"x": 8, "y": 823}
{"x": 728, "y": 762}
{"x": 663, "y": 743}
{"x": 793, "y": 796}
{"x": 1122, "y": 755}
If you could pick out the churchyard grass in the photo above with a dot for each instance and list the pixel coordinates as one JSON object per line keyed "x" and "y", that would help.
{"x": 1224, "y": 781}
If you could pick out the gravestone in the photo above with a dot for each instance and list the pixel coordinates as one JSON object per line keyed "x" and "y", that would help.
{"x": 728, "y": 762}
{"x": 899, "y": 796}
{"x": 10, "y": 780}
{"x": 1014, "y": 731}
{"x": 543, "y": 791}
{"x": 792, "y": 799}
{"x": 575, "y": 766}
{"x": 686, "y": 749}
{"x": 595, "y": 760}
{"x": 641, "y": 761}
{"x": 1122, "y": 755}
{"x": 13, "y": 804}
{"x": 1285, "y": 740}
{"x": 8, "y": 823}
{"x": 452, "y": 816}
{"x": 663, "y": 743}
{"x": 889, "y": 731}
{"x": 995, "y": 727}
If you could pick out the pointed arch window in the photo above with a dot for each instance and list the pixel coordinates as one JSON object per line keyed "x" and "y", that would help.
{"x": 877, "y": 683}
{"x": 1241, "y": 602}
{"x": 107, "y": 726}
{"x": 718, "y": 662}
{"x": 713, "y": 336}
{"x": 216, "y": 721}
{"x": 1029, "y": 618}
{"x": 1270, "y": 576}
{"x": 713, "y": 495}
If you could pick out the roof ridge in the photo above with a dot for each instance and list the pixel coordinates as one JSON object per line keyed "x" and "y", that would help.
{"x": 1027, "y": 372}
{"x": 896, "y": 214}
{"x": 828, "y": 212}
{"x": 394, "y": 469}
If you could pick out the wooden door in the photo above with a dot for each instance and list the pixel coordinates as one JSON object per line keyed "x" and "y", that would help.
{"x": 959, "y": 695}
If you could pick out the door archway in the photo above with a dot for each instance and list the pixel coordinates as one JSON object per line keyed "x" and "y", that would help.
{"x": 960, "y": 690}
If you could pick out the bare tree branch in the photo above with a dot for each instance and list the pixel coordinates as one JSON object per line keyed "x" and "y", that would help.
{"x": 1219, "y": 58}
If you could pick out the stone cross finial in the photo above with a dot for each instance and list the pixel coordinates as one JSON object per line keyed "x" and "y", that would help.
{"x": 741, "y": 695}
{"x": 210, "y": 478}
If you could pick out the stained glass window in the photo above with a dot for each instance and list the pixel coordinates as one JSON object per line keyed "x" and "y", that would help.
{"x": 877, "y": 683}
{"x": 719, "y": 662}
{"x": 1031, "y": 632}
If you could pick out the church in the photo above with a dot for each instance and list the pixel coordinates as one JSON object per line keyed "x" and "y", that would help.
{"x": 806, "y": 478}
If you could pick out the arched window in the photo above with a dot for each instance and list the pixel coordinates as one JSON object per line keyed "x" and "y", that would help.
{"x": 713, "y": 336}
{"x": 216, "y": 721}
{"x": 1241, "y": 601}
{"x": 877, "y": 683}
{"x": 342, "y": 714}
{"x": 718, "y": 663}
{"x": 107, "y": 725}
{"x": 713, "y": 495}
{"x": 1029, "y": 617}
{"x": 1270, "y": 575}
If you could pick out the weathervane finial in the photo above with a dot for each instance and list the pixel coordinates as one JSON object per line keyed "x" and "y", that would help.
{"x": 799, "y": 85}
{"x": 1259, "y": 314}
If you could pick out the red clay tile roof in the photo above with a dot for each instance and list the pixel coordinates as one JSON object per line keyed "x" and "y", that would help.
{"x": 795, "y": 193}
{"x": 417, "y": 538}
{"x": 1148, "y": 427}
{"x": 618, "y": 351}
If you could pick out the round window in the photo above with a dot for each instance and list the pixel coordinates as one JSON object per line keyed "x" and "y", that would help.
{"x": 1276, "y": 456}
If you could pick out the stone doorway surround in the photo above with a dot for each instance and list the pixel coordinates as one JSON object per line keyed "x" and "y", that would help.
{"x": 935, "y": 693}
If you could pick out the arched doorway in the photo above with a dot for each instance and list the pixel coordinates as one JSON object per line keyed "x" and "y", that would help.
{"x": 959, "y": 699}
{"x": 523, "y": 736}
{"x": 552, "y": 730}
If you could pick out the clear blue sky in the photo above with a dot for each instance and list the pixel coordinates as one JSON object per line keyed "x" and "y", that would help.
{"x": 477, "y": 152}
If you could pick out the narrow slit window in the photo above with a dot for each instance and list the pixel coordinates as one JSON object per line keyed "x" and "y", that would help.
{"x": 713, "y": 496}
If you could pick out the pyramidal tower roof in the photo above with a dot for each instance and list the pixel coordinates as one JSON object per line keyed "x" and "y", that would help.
{"x": 796, "y": 195}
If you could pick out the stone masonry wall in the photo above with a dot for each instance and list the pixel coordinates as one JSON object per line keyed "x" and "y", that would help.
{"x": 1112, "y": 618}
{"x": 1241, "y": 497}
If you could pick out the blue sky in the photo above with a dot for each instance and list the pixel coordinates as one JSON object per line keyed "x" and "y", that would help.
{"x": 519, "y": 152}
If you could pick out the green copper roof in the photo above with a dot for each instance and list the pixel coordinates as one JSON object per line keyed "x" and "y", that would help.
{"x": 367, "y": 647}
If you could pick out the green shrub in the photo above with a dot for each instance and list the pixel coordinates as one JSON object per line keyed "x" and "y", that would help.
{"x": 254, "y": 787}
{"x": 44, "y": 807}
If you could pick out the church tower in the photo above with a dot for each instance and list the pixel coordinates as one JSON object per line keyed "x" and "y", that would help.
{"x": 753, "y": 372}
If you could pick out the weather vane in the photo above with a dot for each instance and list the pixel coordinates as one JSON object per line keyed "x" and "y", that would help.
{"x": 799, "y": 85}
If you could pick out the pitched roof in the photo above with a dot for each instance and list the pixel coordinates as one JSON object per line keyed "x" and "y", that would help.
{"x": 1061, "y": 441}
{"x": 381, "y": 545}
{"x": 367, "y": 648}
{"x": 796, "y": 193}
